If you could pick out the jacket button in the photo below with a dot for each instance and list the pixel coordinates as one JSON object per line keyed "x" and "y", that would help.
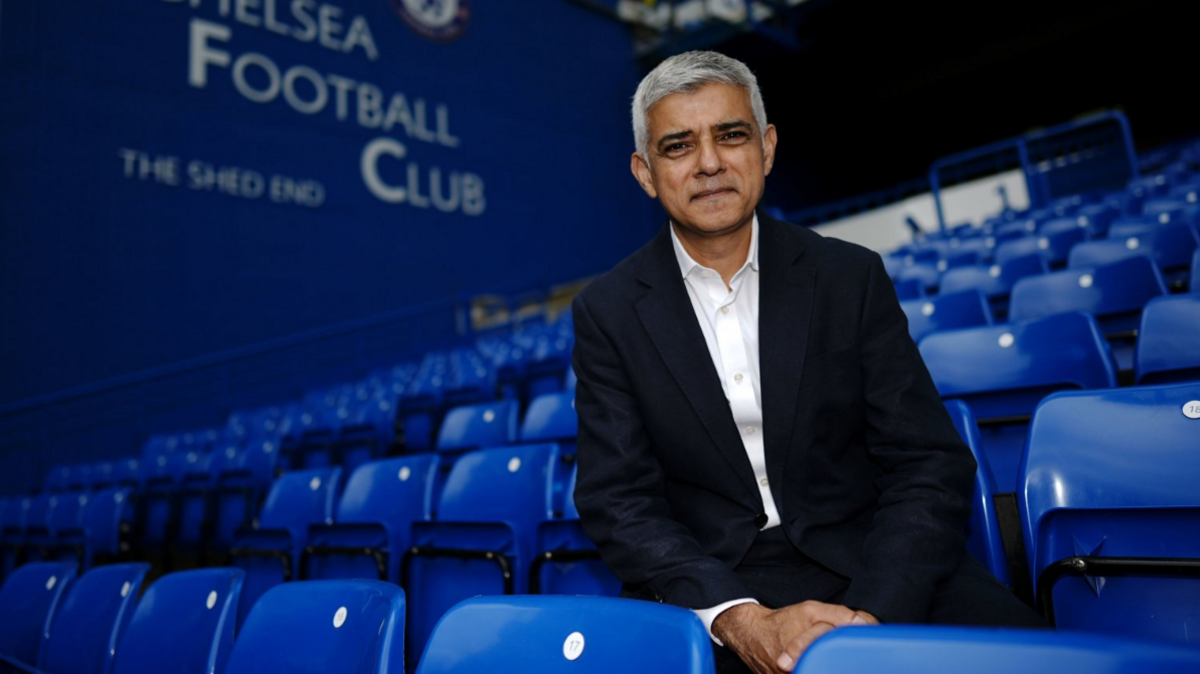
{"x": 761, "y": 520}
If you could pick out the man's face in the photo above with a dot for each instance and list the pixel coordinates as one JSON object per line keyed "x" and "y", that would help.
{"x": 708, "y": 159}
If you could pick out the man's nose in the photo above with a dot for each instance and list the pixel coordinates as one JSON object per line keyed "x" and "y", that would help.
{"x": 708, "y": 159}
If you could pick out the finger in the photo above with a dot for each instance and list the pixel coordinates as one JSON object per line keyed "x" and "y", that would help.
{"x": 788, "y": 659}
{"x": 864, "y": 618}
{"x": 834, "y": 614}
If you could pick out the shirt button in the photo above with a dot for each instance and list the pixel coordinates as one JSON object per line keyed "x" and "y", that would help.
{"x": 738, "y": 377}
{"x": 763, "y": 481}
{"x": 725, "y": 309}
{"x": 750, "y": 430}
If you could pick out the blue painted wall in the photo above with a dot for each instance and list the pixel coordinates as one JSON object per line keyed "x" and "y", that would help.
{"x": 180, "y": 177}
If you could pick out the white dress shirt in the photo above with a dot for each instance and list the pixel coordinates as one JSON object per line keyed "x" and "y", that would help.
{"x": 728, "y": 317}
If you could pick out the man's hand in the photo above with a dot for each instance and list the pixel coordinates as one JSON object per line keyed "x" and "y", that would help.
{"x": 770, "y": 641}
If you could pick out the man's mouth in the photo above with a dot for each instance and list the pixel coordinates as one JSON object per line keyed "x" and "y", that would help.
{"x": 709, "y": 194}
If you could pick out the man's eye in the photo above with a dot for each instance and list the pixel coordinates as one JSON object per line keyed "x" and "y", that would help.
{"x": 675, "y": 148}
{"x": 735, "y": 135}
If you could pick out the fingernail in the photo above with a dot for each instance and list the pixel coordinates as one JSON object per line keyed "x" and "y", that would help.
{"x": 785, "y": 662}
{"x": 858, "y": 620}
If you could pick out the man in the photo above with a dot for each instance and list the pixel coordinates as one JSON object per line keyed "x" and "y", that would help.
{"x": 759, "y": 440}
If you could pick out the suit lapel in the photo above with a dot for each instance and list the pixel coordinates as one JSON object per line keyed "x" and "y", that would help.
{"x": 666, "y": 313}
{"x": 785, "y": 306}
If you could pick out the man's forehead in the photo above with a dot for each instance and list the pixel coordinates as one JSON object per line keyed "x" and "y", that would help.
{"x": 707, "y": 107}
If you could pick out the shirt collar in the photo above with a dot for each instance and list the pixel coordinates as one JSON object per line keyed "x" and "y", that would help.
{"x": 687, "y": 264}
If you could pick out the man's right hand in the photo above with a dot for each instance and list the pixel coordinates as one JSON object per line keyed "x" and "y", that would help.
{"x": 770, "y": 641}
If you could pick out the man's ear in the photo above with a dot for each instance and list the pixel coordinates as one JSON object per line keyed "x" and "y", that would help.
{"x": 769, "y": 140}
{"x": 642, "y": 173}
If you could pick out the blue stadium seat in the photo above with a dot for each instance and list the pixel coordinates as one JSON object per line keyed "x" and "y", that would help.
{"x": 57, "y": 478}
{"x": 1114, "y": 293}
{"x": 926, "y": 274}
{"x": 551, "y": 418}
{"x": 28, "y": 601}
{"x": 995, "y": 281}
{"x": 945, "y": 312}
{"x": 567, "y": 561}
{"x": 1109, "y": 508}
{"x": 585, "y": 635}
{"x": 89, "y": 623}
{"x": 313, "y": 627}
{"x": 1003, "y": 371}
{"x": 1168, "y": 348}
{"x": 1053, "y": 245}
{"x": 183, "y": 623}
{"x": 924, "y": 649}
{"x": 374, "y": 521}
{"x": 483, "y": 425}
{"x": 63, "y": 538}
{"x": 984, "y": 539}
{"x": 1170, "y": 246}
{"x": 270, "y": 552}
{"x": 107, "y": 527}
{"x": 484, "y": 538}
{"x": 244, "y": 474}
{"x": 1096, "y": 218}
{"x": 17, "y": 545}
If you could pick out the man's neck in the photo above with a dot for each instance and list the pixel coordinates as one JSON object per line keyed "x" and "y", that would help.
{"x": 724, "y": 253}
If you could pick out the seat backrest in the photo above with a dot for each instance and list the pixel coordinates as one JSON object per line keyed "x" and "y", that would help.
{"x": 107, "y": 513}
{"x": 57, "y": 478}
{"x": 983, "y": 539}
{"x": 88, "y": 625}
{"x": 317, "y": 626}
{"x": 66, "y": 511}
{"x": 946, "y": 312}
{"x": 1117, "y": 287}
{"x": 585, "y": 635}
{"x": 1123, "y": 448}
{"x": 551, "y": 418}
{"x": 483, "y": 425}
{"x": 184, "y": 623}
{"x": 1006, "y": 369}
{"x": 1168, "y": 347}
{"x": 38, "y": 510}
{"x": 28, "y": 601}
{"x": 392, "y": 490}
{"x": 501, "y": 484}
{"x": 927, "y": 649}
{"x": 299, "y": 498}
{"x": 1169, "y": 246}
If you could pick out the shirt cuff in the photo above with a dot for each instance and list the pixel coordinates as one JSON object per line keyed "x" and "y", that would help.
{"x": 708, "y": 615}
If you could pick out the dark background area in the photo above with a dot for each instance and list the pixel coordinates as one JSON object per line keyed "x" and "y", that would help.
{"x": 879, "y": 89}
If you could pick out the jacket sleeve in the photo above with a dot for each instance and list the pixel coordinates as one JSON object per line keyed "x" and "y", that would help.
{"x": 918, "y": 534}
{"x": 620, "y": 488}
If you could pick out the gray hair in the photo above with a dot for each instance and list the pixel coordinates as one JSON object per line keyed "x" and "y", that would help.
{"x": 684, "y": 74}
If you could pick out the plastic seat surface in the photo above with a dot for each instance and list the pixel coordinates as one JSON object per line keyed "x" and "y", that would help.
{"x": 1003, "y": 371}
{"x": 492, "y": 503}
{"x": 1120, "y": 287}
{"x": 1168, "y": 348}
{"x": 184, "y": 624}
{"x": 270, "y": 553}
{"x": 89, "y": 623}
{"x": 378, "y": 506}
{"x": 29, "y": 599}
{"x": 994, "y": 281}
{"x": 946, "y": 312}
{"x": 1195, "y": 280}
{"x": 313, "y": 627}
{"x": 584, "y": 635}
{"x": 922, "y": 649}
{"x": 983, "y": 537}
{"x": 1115, "y": 474}
{"x": 580, "y": 571}
{"x": 485, "y": 425}
{"x": 1170, "y": 246}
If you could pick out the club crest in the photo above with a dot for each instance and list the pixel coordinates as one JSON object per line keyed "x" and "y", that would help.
{"x": 441, "y": 20}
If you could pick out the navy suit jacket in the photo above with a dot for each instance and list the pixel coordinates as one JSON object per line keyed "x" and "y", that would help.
{"x": 869, "y": 476}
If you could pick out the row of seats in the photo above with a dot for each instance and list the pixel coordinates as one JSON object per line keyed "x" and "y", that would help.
{"x": 1103, "y": 519}
{"x": 56, "y": 624}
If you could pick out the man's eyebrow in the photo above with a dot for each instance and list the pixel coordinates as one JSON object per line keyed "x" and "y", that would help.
{"x": 671, "y": 137}
{"x": 729, "y": 126}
